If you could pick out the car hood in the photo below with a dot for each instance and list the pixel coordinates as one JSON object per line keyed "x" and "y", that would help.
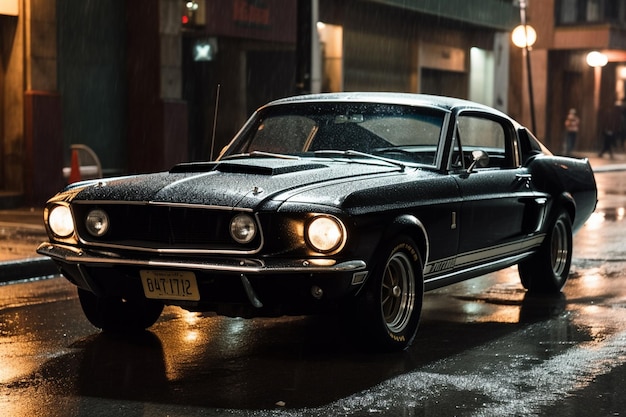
{"x": 242, "y": 183}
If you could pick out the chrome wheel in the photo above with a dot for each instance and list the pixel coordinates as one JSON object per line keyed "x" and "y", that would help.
{"x": 547, "y": 270}
{"x": 560, "y": 248}
{"x": 387, "y": 313}
{"x": 398, "y": 292}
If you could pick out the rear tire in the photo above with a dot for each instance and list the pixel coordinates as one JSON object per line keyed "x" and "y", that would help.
{"x": 546, "y": 272}
{"x": 116, "y": 314}
{"x": 391, "y": 305}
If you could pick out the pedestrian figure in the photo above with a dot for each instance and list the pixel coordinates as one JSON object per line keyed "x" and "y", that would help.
{"x": 571, "y": 130}
{"x": 607, "y": 143}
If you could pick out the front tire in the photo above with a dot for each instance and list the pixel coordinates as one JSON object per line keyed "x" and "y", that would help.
{"x": 546, "y": 272}
{"x": 391, "y": 305}
{"x": 116, "y": 314}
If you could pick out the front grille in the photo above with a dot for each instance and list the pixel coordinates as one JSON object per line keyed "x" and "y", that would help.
{"x": 168, "y": 227}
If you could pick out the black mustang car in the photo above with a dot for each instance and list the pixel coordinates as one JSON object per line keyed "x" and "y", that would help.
{"x": 356, "y": 203}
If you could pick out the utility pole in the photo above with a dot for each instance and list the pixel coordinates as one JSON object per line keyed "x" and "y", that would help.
{"x": 531, "y": 98}
{"x": 308, "y": 60}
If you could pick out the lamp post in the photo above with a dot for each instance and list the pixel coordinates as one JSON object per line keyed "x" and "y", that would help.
{"x": 597, "y": 60}
{"x": 524, "y": 36}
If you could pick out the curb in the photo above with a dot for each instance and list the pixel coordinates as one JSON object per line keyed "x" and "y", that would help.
{"x": 609, "y": 168}
{"x": 24, "y": 269}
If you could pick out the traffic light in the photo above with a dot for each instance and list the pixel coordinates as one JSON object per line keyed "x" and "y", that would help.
{"x": 193, "y": 13}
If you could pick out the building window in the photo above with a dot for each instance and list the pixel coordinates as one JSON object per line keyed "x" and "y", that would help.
{"x": 567, "y": 11}
{"x": 580, "y": 12}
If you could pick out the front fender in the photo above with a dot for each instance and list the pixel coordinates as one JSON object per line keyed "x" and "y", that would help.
{"x": 411, "y": 226}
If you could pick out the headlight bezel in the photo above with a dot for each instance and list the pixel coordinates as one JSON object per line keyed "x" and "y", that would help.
{"x": 325, "y": 234}
{"x": 61, "y": 224}
{"x": 243, "y": 228}
{"x": 97, "y": 222}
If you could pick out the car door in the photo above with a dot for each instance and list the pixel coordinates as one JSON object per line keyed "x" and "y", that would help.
{"x": 499, "y": 205}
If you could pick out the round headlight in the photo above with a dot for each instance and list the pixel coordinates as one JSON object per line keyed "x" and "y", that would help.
{"x": 60, "y": 221}
{"x": 243, "y": 228}
{"x": 97, "y": 222}
{"x": 325, "y": 234}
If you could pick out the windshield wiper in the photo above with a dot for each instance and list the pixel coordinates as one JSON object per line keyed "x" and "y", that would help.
{"x": 351, "y": 152}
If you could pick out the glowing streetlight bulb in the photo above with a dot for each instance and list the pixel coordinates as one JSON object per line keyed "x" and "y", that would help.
{"x": 523, "y": 36}
{"x": 597, "y": 59}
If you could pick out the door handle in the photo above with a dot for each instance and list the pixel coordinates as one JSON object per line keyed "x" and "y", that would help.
{"x": 525, "y": 178}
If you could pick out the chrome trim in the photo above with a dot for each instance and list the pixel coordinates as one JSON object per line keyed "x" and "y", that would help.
{"x": 181, "y": 251}
{"x": 441, "y": 144}
{"x": 74, "y": 255}
{"x": 162, "y": 203}
{"x": 427, "y": 243}
{"x": 73, "y": 238}
{"x": 185, "y": 251}
{"x": 359, "y": 277}
{"x": 338, "y": 221}
{"x": 542, "y": 203}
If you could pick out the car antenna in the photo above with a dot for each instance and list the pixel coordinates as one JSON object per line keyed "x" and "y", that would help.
{"x": 217, "y": 103}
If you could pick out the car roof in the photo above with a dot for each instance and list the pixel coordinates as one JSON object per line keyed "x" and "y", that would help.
{"x": 411, "y": 99}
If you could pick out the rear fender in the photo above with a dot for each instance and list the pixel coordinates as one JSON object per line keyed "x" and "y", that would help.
{"x": 566, "y": 202}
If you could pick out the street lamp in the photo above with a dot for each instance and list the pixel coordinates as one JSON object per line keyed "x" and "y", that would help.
{"x": 597, "y": 59}
{"x": 524, "y": 36}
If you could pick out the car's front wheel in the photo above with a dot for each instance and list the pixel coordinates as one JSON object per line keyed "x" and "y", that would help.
{"x": 546, "y": 271}
{"x": 392, "y": 301}
{"x": 116, "y": 314}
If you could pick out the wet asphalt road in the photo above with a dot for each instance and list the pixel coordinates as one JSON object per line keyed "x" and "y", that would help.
{"x": 484, "y": 348}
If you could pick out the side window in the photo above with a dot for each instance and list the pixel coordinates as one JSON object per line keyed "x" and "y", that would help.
{"x": 477, "y": 133}
{"x": 529, "y": 145}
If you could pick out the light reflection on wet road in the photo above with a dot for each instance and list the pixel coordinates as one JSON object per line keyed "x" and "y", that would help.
{"x": 485, "y": 348}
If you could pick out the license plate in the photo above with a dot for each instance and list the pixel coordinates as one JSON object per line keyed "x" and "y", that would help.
{"x": 170, "y": 285}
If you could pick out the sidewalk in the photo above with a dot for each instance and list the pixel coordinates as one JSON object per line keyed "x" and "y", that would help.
{"x": 605, "y": 163}
{"x": 22, "y": 230}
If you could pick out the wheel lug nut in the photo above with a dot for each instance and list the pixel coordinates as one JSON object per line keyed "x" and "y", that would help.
{"x": 396, "y": 291}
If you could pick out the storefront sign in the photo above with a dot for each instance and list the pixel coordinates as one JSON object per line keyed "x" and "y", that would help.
{"x": 251, "y": 13}
{"x": 261, "y": 20}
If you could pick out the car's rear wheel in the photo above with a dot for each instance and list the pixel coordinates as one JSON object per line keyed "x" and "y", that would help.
{"x": 116, "y": 314}
{"x": 546, "y": 272}
{"x": 392, "y": 301}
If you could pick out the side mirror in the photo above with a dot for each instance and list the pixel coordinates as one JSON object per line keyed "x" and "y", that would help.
{"x": 480, "y": 159}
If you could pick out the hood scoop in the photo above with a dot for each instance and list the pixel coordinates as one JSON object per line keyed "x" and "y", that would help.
{"x": 266, "y": 167}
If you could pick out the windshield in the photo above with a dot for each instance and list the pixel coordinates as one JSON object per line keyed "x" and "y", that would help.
{"x": 404, "y": 133}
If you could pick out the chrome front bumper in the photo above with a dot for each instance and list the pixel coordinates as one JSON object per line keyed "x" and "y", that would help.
{"x": 72, "y": 255}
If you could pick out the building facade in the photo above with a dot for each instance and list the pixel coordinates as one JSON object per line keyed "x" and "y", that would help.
{"x": 567, "y": 31}
{"x": 150, "y": 83}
